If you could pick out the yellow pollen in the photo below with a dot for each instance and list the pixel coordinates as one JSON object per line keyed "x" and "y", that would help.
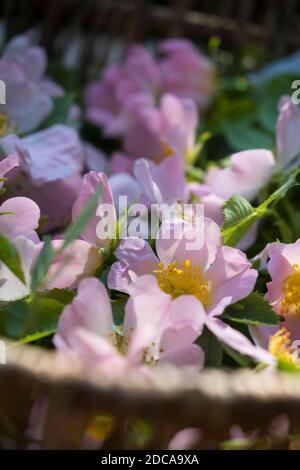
{"x": 100, "y": 427}
{"x": 166, "y": 151}
{"x": 184, "y": 280}
{"x": 280, "y": 346}
{"x": 291, "y": 291}
{"x": 4, "y": 124}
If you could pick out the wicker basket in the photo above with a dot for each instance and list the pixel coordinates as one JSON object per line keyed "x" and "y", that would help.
{"x": 169, "y": 399}
{"x": 273, "y": 24}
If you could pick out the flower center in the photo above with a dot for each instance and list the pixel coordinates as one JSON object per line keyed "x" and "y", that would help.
{"x": 167, "y": 150}
{"x": 280, "y": 346}
{"x": 184, "y": 280}
{"x": 4, "y": 124}
{"x": 291, "y": 291}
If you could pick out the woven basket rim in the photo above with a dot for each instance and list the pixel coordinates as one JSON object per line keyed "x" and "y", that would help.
{"x": 50, "y": 367}
{"x": 213, "y": 400}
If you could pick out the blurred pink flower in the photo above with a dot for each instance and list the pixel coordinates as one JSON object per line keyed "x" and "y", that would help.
{"x": 156, "y": 132}
{"x": 6, "y": 165}
{"x": 121, "y": 162}
{"x": 151, "y": 183}
{"x": 183, "y": 71}
{"x": 162, "y": 182}
{"x": 48, "y": 155}
{"x": 28, "y": 92}
{"x": 247, "y": 173}
{"x": 50, "y": 163}
{"x": 95, "y": 159}
{"x": 287, "y": 132}
{"x": 19, "y": 216}
{"x": 55, "y": 199}
{"x": 186, "y": 72}
{"x": 152, "y": 105}
{"x": 106, "y": 97}
{"x": 77, "y": 261}
{"x": 154, "y": 332}
{"x": 91, "y": 182}
{"x": 283, "y": 290}
{"x": 185, "y": 439}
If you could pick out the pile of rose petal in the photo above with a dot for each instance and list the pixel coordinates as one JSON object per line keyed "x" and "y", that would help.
{"x": 133, "y": 301}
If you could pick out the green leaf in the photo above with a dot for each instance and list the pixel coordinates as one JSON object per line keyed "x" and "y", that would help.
{"x": 268, "y": 113}
{"x": 233, "y": 233}
{"x": 104, "y": 273}
{"x": 63, "y": 296}
{"x": 238, "y": 444}
{"x": 76, "y": 228}
{"x": 12, "y": 317}
{"x": 235, "y": 209}
{"x": 194, "y": 173}
{"x": 253, "y": 310}
{"x": 118, "y": 310}
{"x": 140, "y": 431}
{"x": 291, "y": 182}
{"x": 211, "y": 347}
{"x": 35, "y": 336}
{"x": 241, "y": 360}
{"x": 42, "y": 264}
{"x": 243, "y": 136}
{"x": 11, "y": 258}
{"x": 29, "y": 316}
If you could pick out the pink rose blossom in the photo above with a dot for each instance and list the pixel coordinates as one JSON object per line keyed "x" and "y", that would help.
{"x": 156, "y": 132}
{"x": 152, "y": 105}
{"x": 151, "y": 182}
{"x": 247, "y": 173}
{"x": 287, "y": 132}
{"x": 216, "y": 276}
{"x": 157, "y": 332}
{"x": 283, "y": 290}
{"x": 91, "y": 182}
{"x": 19, "y": 216}
{"x": 186, "y": 72}
{"x": 6, "y": 165}
{"x": 77, "y": 261}
{"x": 183, "y": 71}
{"x": 49, "y": 155}
{"x": 50, "y": 163}
{"x": 28, "y": 92}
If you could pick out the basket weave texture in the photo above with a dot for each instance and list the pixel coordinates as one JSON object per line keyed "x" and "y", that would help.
{"x": 169, "y": 398}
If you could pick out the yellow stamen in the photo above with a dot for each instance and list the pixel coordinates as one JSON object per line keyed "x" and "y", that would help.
{"x": 280, "y": 346}
{"x": 4, "y": 124}
{"x": 291, "y": 291}
{"x": 167, "y": 150}
{"x": 100, "y": 428}
{"x": 187, "y": 280}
